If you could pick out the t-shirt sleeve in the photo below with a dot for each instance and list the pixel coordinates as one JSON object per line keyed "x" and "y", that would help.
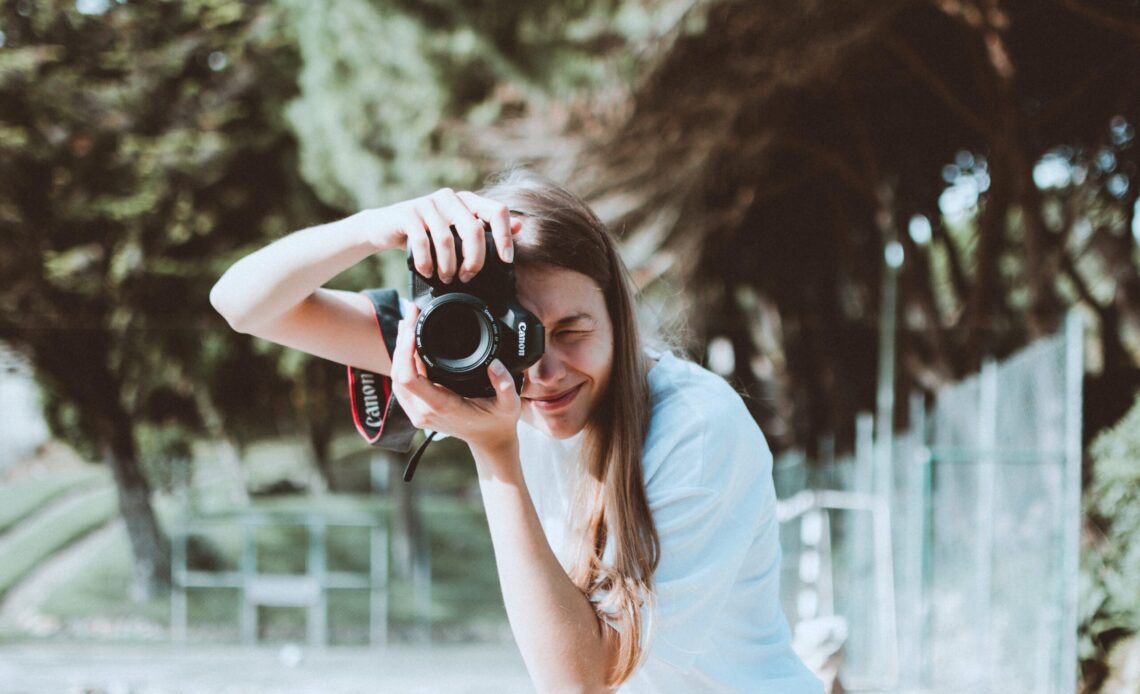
{"x": 709, "y": 493}
{"x": 375, "y": 411}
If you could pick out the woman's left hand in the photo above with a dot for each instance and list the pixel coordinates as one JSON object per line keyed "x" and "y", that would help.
{"x": 486, "y": 424}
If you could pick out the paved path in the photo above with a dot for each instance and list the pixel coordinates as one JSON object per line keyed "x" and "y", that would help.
{"x": 20, "y": 608}
{"x": 166, "y": 669}
{"x": 51, "y": 513}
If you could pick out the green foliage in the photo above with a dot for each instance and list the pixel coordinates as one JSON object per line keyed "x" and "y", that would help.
{"x": 140, "y": 150}
{"x": 1110, "y": 602}
{"x": 369, "y": 103}
{"x": 390, "y": 89}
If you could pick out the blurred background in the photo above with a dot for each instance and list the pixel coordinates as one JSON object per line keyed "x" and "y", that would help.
{"x": 905, "y": 230}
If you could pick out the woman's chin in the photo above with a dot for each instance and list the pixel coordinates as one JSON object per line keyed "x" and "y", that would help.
{"x": 555, "y": 426}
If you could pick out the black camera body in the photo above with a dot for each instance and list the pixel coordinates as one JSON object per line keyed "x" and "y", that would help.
{"x": 462, "y": 327}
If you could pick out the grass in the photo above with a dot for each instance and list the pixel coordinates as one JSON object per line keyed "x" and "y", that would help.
{"x": 101, "y": 588}
{"x": 465, "y": 598}
{"x": 21, "y": 498}
{"x": 48, "y": 535}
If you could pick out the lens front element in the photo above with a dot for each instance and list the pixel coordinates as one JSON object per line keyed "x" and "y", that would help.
{"x": 457, "y": 334}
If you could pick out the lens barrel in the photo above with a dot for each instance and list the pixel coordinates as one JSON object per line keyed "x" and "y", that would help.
{"x": 457, "y": 334}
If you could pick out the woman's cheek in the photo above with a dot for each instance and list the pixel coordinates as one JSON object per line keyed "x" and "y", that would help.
{"x": 598, "y": 357}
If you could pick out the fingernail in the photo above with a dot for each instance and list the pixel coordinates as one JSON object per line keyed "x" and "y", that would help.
{"x": 497, "y": 367}
{"x": 508, "y": 253}
{"x": 465, "y": 277}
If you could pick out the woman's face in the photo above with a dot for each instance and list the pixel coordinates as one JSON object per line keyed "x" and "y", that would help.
{"x": 563, "y": 388}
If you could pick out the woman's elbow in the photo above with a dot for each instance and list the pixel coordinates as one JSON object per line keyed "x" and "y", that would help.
{"x": 572, "y": 687}
{"x": 224, "y": 301}
{"x": 584, "y": 679}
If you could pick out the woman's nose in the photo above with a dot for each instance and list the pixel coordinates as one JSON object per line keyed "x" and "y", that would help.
{"x": 547, "y": 370}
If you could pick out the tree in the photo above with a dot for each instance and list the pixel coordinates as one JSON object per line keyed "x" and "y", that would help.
{"x": 766, "y": 151}
{"x": 141, "y": 146}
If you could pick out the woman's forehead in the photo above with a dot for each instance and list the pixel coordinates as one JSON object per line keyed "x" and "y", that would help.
{"x": 556, "y": 294}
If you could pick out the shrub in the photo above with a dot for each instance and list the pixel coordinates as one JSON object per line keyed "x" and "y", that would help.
{"x": 1110, "y": 562}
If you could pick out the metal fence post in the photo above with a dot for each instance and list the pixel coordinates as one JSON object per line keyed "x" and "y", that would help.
{"x": 248, "y": 569}
{"x": 317, "y": 568}
{"x": 910, "y": 527}
{"x": 178, "y": 606}
{"x": 1071, "y": 501}
{"x": 378, "y": 593}
{"x": 987, "y": 499}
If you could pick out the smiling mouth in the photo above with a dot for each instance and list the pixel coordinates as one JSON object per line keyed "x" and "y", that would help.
{"x": 557, "y": 401}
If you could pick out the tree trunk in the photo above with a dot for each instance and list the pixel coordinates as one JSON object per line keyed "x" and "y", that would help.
{"x": 318, "y": 418}
{"x": 230, "y": 454}
{"x": 149, "y": 545}
{"x": 984, "y": 310}
{"x": 311, "y": 421}
{"x": 409, "y": 539}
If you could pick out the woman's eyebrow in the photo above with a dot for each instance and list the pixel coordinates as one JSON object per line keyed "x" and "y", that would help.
{"x": 571, "y": 319}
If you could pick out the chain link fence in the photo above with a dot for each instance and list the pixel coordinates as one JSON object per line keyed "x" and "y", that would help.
{"x": 950, "y": 563}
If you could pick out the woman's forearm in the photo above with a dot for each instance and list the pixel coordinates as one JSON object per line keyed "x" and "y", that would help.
{"x": 557, "y": 630}
{"x": 269, "y": 281}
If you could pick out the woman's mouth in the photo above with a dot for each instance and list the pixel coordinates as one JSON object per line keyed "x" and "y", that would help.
{"x": 556, "y": 401}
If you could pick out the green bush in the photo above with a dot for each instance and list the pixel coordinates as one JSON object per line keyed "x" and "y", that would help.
{"x": 1110, "y": 562}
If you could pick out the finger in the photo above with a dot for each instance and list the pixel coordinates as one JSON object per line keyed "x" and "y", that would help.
{"x": 408, "y": 326}
{"x": 505, "y": 393}
{"x": 469, "y": 228}
{"x": 439, "y": 231}
{"x": 410, "y": 380}
{"x": 419, "y": 243}
{"x": 421, "y": 368}
{"x": 474, "y": 250}
{"x": 444, "y": 243}
{"x": 403, "y": 367}
{"x": 499, "y": 216}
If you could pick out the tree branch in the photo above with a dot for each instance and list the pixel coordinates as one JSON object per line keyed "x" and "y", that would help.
{"x": 1082, "y": 287}
{"x": 1129, "y": 30}
{"x": 915, "y": 64}
{"x": 836, "y": 164}
{"x": 953, "y": 258}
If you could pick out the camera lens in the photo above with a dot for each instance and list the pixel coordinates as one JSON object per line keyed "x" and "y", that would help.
{"x": 457, "y": 333}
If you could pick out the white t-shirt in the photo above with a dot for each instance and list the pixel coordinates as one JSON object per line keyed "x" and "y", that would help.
{"x": 716, "y": 622}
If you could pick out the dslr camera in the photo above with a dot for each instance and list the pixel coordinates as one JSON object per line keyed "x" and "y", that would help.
{"x": 463, "y": 327}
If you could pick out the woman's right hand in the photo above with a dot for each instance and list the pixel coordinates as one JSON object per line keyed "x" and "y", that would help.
{"x": 423, "y": 223}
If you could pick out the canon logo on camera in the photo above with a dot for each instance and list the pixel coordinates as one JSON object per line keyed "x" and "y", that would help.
{"x": 522, "y": 339}
{"x": 371, "y": 399}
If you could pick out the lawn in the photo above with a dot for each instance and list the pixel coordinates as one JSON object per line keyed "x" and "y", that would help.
{"x": 465, "y": 602}
{"x": 51, "y": 532}
{"x": 23, "y": 497}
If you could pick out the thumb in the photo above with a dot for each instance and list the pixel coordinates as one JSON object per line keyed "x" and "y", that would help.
{"x": 502, "y": 381}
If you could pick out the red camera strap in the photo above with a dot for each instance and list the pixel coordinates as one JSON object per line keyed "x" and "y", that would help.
{"x": 375, "y": 411}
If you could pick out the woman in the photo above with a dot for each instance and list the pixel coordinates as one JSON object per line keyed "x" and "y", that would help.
{"x": 628, "y": 494}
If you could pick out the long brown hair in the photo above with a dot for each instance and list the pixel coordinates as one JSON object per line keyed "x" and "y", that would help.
{"x": 610, "y": 505}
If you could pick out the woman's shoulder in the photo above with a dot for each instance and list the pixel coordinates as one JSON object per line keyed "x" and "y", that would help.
{"x": 675, "y": 381}
{"x": 700, "y": 430}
